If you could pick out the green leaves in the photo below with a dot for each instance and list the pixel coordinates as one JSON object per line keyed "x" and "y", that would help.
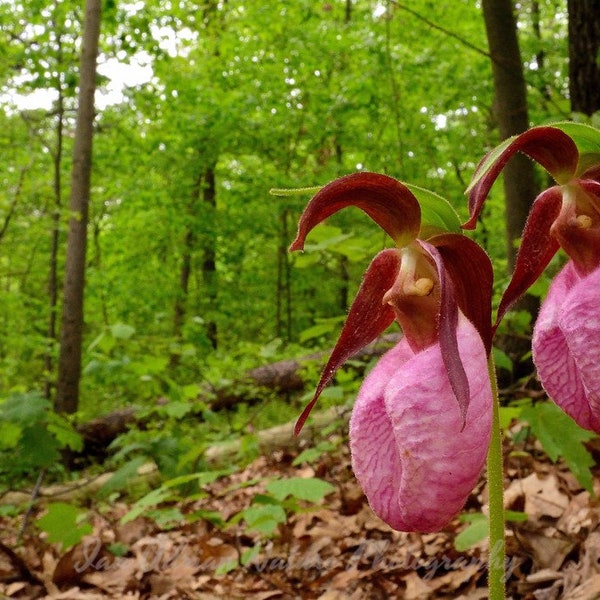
{"x": 63, "y": 524}
{"x": 123, "y": 476}
{"x": 476, "y": 532}
{"x": 312, "y": 489}
{"x": 437, "y": 214}
{"x": 168, "y": 491}
{"x": 478, "y": 528}
{"x": 561, "y": 436}
{"x": 587, "y": 140}
{"x": 32, "y": 435}
{"x": 268, "y": 510}
{"x": 264, "y": 517}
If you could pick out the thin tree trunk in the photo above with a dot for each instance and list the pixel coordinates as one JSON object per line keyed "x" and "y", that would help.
{"x": 69, "y": 363}
{"x": 185, "y": 272}
{"x": 584, "y": 44}
{"x": 54, "y": 243}
{"x": 209, "y": 262}
{"x": 520, "y": 187}
{"x": 180, "y": 308}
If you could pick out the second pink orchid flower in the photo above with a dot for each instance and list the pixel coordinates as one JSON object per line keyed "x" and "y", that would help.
{"x": 566, "y": 337}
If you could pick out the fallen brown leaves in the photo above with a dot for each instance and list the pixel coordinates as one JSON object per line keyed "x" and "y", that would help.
{"x": 336, "y": 551}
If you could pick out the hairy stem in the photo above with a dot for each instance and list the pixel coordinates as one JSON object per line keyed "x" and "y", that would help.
{"x": 495, "y": 472}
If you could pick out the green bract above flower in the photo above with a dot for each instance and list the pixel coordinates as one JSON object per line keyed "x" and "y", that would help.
{"x": 433, "y": 272}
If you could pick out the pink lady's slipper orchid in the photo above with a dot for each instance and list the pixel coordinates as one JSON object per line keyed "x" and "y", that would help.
{"x": 566, "y": 336}
{"x": 420, "y": 427}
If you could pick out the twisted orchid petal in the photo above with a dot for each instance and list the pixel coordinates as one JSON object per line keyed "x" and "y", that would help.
{"x": 536, "y": 250}
{"x": 566, "y": 345}
{"x": 368, "y": 317}
{"x": 413, "y": 458}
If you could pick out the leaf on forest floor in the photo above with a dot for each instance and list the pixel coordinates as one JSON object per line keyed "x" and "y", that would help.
{"x": 561, "y": 436}
{"x": 62, "y": 524}
{"x": 311, "y": 489}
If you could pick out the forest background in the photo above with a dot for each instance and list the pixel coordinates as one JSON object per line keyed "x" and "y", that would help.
{"x": 202, "y": 109}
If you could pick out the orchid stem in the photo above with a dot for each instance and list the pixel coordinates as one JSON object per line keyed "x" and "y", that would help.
{"x": 495, "y": 471}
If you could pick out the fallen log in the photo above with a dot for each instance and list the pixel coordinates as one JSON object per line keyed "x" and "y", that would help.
{"x": 269, "y": 440}
{"x": 284, "y": 376}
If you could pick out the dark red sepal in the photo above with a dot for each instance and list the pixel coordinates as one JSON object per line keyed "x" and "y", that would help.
{"x": 592, "y": 172}
{"x": 472, "y": 275}
{"x": 368, "y": 317}
{"x": 448, "y": 324}
{"x": 387, "y": 201}
{"x": 549, "y": 146}
{"x": 537, "y": 248}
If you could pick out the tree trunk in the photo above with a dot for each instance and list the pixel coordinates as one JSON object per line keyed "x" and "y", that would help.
{"x": 185, "y": 270}
{"x": 69, "y": 363}
{"x": 520, "y": 188}
{"x": 209, "y": 262}
{"x": 584, "y": 43}
{"x": 55, "y": 240}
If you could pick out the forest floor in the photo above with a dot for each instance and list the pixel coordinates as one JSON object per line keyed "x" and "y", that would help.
{"x": 335, "y": 550}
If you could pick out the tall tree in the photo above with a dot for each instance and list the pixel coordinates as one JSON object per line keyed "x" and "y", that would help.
{"x": 209, "y": 258}
{"x": 57, "y": 163}
{"x": 584, "y": 45}
{"x": 69, "y": 366}
{"x": 510, "y": 92}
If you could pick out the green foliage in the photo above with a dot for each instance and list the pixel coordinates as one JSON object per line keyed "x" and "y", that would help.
{"x": 313, "y": 490}
{"x": 63, "y": 524}
{"x": 508, "y": 414}
{"x": 477, "y": 531}
{"x": 501, "y": 359}
{"x": 121, "y": 478}
{"x": 168, "y": 492}
{"x": 32, "y": 436}
{"x": 282, "y": 498}
{"x": 313, "y": 452}
{"x": 561, "y": 436}
{"x": 587, "y": 140}
{"x": 236, "y": 91}
{"x": 120, "y": 363}
{"x": 437, "y": 214}
{"x": 478, "y": 528}
{"x": 263, "y": 516}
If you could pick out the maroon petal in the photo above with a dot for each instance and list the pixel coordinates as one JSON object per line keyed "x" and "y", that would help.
{"x": 592, "y": 172}
{"x": 368, "y": 317}
{"x": 448, "y": 324}
{"x": 472, "y": 276}
{"x": 537, "y": 248}
{"x": 388, "y": 202}
{"x": 549, "y": 146}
